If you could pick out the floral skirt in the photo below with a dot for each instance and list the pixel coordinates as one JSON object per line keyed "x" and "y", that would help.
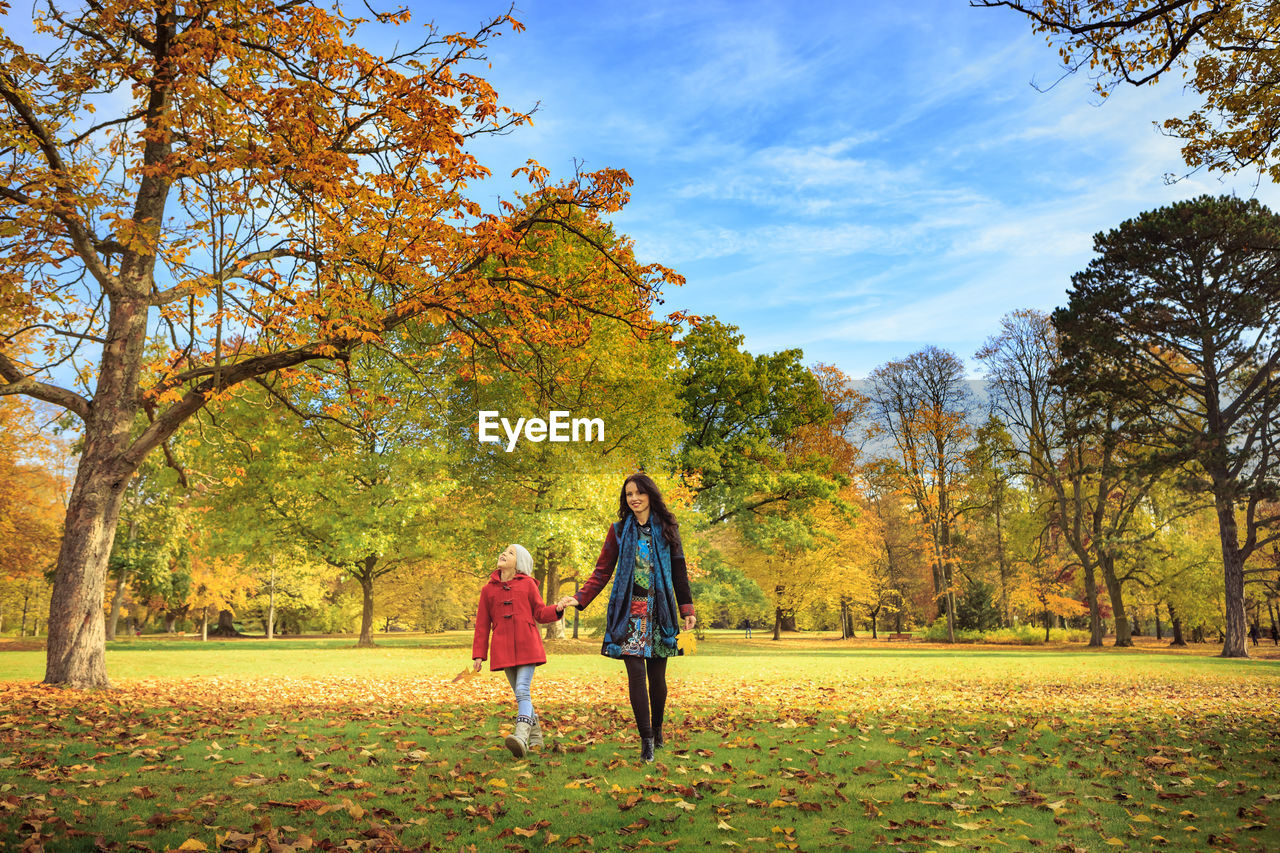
{"x": 642, "y": 640}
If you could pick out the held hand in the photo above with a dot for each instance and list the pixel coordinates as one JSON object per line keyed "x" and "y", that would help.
{"x": 566, "y": 602}
{"x": 690, "y": 621}
{"x": 476, "y": 663}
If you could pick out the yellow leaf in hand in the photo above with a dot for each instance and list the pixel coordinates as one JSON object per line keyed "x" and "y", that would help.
{"x": 464, "y": 675}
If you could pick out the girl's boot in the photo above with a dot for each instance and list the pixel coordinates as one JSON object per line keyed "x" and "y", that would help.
{"x": 646, "y": 749}
{"x": 535, "y": 733}
{"x": 518, "y": 740}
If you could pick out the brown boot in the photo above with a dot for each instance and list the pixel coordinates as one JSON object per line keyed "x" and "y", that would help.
{"x": 518, "y": 740}
{"x": 535, "y": 733}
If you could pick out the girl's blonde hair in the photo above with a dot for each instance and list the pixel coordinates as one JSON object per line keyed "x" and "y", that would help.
{"x": 524, "y": 560}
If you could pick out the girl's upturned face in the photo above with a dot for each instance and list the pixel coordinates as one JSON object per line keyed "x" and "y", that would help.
{"x": 637, "y": 499}
{"x": 507, "y": 559}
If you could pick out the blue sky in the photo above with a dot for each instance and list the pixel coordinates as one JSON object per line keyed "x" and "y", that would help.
{"x": 858, "y": 179}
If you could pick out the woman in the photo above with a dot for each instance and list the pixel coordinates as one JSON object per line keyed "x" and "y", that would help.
{"x": 643, "y": 554}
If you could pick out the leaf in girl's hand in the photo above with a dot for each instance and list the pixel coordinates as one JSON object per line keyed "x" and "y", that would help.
{"x": 687, "y": 642}
{"x": 464, "y": 675}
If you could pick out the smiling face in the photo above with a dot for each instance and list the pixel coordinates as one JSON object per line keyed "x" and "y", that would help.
{"x": 507, "y": 561}
{"x": 638, "y": 500}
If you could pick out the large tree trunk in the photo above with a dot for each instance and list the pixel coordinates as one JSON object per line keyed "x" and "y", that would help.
{"x": 1176, "y": 621}
{"x": 271, "y": 606}
{"x": 114, "y": 621}
{"x": 1116, "y": 592}
{"x": 554, "y": 630}
{"x": 1234, "y": 644}
{"x": 226, "y": 625}
{"x": 366, "y": 610}
{"x": 77, "y": 629}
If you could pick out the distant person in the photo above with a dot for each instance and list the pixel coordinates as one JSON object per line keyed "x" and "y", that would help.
{"x": 509, "y": 605}
{"x": 746, "y": 629}
{"x": 1254, "y": 633}
{"x": 643, "y": 554}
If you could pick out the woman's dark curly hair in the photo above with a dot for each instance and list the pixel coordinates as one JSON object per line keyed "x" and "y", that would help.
{"x": 657, "y": 507}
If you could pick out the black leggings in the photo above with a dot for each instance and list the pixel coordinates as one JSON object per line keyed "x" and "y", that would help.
{"x": 648, "y": 705}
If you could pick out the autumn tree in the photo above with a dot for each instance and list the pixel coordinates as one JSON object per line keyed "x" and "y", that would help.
{"x": 30, "y": 524}
{"x": 1044, "y": 585}
{"x": 557, "y": 497}
{"x": 1021, "y": 363}
{"x": 923, "y": 404}
{"x": 1176, "y": 319}
{"x": 218, "y": 588}
{"x": 30, "y": 511}
{"x": 898, "y": 573}
{"x": 241, "y": 187}
{"x": 293, "y": 588}
{"x": 1225, "y": 51}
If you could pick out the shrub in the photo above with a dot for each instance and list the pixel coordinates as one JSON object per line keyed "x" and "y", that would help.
{"x": 1020, "y": 635}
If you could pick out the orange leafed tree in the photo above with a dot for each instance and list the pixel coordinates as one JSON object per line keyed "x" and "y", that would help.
{"x": 30, "y": 510}
{"x": 197, "y": 195}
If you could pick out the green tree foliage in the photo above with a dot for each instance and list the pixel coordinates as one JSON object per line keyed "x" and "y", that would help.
{"x": 739, "y": 411}
{"x": 151, "y": 558}
{"x": 1176, "y": 320}
{"x": 349, "y": 466}
{"x": 726, "y": 596}
{"x": 978, "y": 607}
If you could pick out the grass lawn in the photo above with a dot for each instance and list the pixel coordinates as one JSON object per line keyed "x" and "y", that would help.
{"x": 806, "y": 744}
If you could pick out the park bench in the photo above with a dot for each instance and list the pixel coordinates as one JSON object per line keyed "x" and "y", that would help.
{"x": 892, "y": 637}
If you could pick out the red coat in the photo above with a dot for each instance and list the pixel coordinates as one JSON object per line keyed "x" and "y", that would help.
{"x": 510, "y": 610}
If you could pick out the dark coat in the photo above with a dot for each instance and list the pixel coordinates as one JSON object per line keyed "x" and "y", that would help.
{"x": 671, "y": 557}
{"x": 608, "y": 562}
{"x": 511, "y": 610}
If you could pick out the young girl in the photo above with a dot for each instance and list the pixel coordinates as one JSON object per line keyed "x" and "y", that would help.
{"x": 509, "y": 605}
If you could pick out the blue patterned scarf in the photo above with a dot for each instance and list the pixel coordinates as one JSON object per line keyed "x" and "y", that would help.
{"x": 664, "y": 596}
